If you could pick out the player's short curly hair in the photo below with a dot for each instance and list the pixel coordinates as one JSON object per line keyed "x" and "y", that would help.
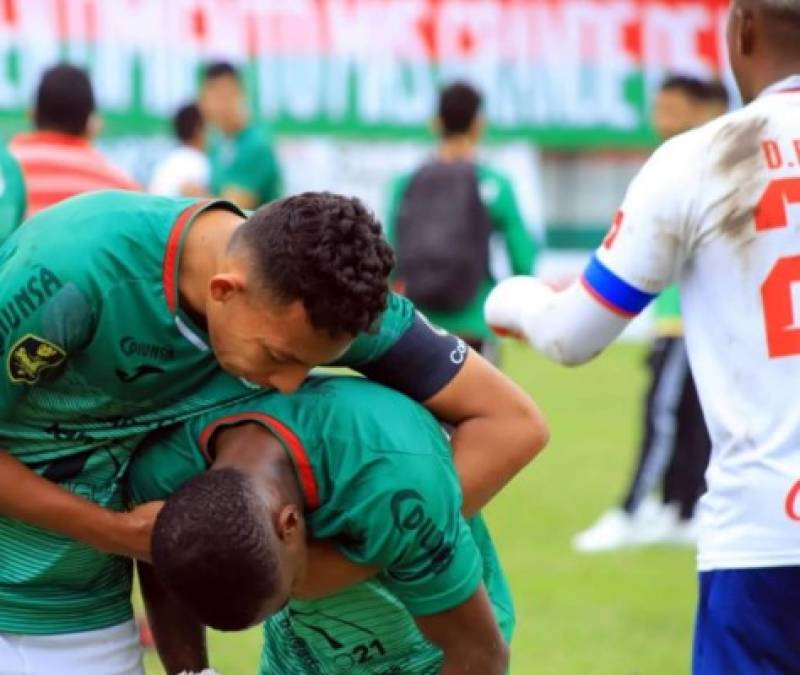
{"x": 326, "y": 250}
{"x": 216, "y": 551}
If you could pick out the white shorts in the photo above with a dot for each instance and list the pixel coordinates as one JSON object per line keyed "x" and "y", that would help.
{"x": 108, "y": 651}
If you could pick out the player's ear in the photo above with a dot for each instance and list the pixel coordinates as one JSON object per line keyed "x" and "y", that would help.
{"x": 289, "y": 523}
{"x": 225, "y": 285}
{"x": 478, "y": 127}
{"x": 744, "y": 27}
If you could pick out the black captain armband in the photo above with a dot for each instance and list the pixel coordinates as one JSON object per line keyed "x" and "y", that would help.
{"x": 421, "y": 362}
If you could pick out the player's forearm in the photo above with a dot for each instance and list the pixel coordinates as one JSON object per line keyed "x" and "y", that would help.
{"x": 498, "y": 429}
{"x": 489, "y": 451}
{"x": 469, "y": 637}
{"x": 26, "y": 496}
{"x": 469, "y": 661}
{"x": 180, "y": 639}
{"x": 567, "y": 326}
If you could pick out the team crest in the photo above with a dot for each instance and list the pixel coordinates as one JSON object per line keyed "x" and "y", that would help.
{"x": 31, "y": 356}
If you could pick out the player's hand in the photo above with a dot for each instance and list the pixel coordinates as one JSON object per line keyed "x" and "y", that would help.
{"x": 511, "y": 301}
{"x": 132, "y": 534}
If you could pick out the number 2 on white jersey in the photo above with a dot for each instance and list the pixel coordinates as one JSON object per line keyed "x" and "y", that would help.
{"x": 783, "y": 334}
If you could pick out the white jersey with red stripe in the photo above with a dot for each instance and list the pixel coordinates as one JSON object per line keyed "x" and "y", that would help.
{"x": 717, "y": 210}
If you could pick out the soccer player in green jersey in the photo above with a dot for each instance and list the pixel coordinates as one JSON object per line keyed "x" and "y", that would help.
{"x": 117, "y": 311}
{"x": 12, "y": 194}
{"x": 460, "y": 126}
{"x": 343, "y": 459}
{"x": 244, "y": 168}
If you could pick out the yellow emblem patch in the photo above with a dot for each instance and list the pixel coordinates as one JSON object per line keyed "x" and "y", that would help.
{"x": 31, "y": 356}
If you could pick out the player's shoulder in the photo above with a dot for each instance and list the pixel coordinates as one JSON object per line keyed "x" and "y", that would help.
{"x": 359, "y": 403}
{"x": 399, "y": 183}
{"x": 492, "y": 182}
{"x": 255, "y": 138}
{"x": 488, "y": 172}
{"x": 114, "y": 226}
{"x": 350, "y": 394}
{"x": 677, "y": 166}
{"x": 728, "y": 134}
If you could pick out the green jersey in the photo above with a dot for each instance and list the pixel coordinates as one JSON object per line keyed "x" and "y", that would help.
{"x": 245, "y": 161}
{"x": 96, "y": 353}
{"x": 497, "y": 194}
{"x": 12, "y": 194}
{"x": 377, "y": 476}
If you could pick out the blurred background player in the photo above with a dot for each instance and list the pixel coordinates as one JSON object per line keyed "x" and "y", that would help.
{"x": 675, "y": 445}
{"x": 442, "y": 218}
{"x": 12, "y": 194}
{"x": 186, "y": 171}
{"x": 716, "y": 210}
{"x": 244, "y": 168}
{"x": 57, "y": 159}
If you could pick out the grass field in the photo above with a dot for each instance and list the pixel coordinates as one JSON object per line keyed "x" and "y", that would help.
{"x": 620, "y": 613}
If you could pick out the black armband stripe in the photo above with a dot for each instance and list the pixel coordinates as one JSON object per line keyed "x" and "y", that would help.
{"x": 420, "y": 363}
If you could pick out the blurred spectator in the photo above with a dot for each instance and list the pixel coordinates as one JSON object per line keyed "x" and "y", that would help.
{"x": 244, "y": 168}
{"x": 184, "y": 172}
{"x": 441, "y": 219}
{"x": 675, "y": 448}
{"x": 58, "y": 160}
{"x": 12, "y": 194}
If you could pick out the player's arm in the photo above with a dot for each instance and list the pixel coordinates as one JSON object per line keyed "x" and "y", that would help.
{"x": 469, "y": 637}
{"x": 498, "y": 429}
{"x": 180, "y": 638}
{"x": 41, "y": 343}
{"x": 410, "y": 525}
{"x": 26, "y": 496}
{"x": 642, "y": 253}
{"x": 164, "y": 462}
{"x": 520, "y": 245}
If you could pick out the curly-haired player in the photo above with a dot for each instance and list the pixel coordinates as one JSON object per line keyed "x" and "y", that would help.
{"x": 117, "y": 311}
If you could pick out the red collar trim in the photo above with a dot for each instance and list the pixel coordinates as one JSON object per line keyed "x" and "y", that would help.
{"x": 170, "y": 267}
{"x": 302, "y": 463}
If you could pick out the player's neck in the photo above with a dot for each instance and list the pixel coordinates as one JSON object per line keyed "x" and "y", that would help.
{"x": 775, "y": 72}
{"x": 457, "y": 148}
{"x": 236, "y": 123}
{"x": 275, "y": 475}
{"x": 205, "y": 245}
{"x": 283, "y": 480}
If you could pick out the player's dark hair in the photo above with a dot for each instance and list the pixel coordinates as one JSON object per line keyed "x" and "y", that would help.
{"x": 218, "y": 69}
{"x": 325, "y": 250}
{"x": 215, "y": 549}
{"x": 696, "y": 89}
{"x": 64, "y": 100}
{"x": 187, "y": 122}
{"x": 459, "y": 104}
{"x": 717, "y": 92}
